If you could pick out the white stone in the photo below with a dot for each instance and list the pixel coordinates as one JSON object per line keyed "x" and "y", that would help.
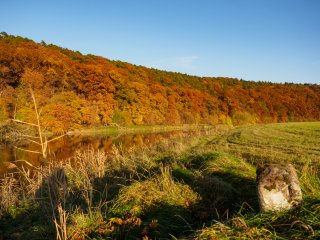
{"x": 278, "y": 187}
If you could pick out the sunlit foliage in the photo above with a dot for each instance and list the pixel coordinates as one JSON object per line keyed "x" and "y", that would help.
{"x": 75, "y": 91}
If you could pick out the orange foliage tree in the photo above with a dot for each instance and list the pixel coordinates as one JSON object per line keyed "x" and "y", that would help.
{"x": 75, "y": 90}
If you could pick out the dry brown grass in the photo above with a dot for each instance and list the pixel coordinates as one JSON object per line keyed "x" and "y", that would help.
{"x": 9, "y": 193}
{"x": 51, "y": 184}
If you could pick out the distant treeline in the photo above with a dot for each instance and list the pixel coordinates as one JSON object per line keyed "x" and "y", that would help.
{"x": 75, "y": 90}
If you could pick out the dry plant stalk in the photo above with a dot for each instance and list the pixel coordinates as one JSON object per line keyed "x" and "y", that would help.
{"x": 90, "y": 165}
{"x": 61, "y": 224}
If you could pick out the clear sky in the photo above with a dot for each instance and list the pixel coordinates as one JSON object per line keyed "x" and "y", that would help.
{"x": 267, "y": 40}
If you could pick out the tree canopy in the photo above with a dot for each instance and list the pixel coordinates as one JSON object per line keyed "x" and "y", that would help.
{"x": 75, "y": 90}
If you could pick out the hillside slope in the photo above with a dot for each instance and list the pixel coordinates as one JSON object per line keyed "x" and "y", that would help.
{"x": 75, "y": 91}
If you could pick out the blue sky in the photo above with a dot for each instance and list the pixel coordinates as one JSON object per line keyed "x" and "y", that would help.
{"x": 267, "y": 40}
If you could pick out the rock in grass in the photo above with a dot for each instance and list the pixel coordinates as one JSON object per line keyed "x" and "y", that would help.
{"x": 278, "y": 187}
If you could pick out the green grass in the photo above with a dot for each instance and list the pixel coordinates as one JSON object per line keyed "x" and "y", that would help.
{"x": 286, "y": 142}
{"x": 140, "y": 129}
{"x": 196, "y": 187}
{"x": 296, "y": 143}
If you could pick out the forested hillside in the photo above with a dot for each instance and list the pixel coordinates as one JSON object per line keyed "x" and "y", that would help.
{"x": 76, "y": 91}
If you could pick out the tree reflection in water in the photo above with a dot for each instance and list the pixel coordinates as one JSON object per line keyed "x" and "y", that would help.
{"x": 65, "y": 147}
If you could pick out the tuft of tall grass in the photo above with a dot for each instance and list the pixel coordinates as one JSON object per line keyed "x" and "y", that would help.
{"x": 158, "y": 189}
{"x": 160, "y": 204}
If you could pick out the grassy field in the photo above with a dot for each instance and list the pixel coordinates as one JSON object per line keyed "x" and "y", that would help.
{"x": 140, "y": 129}
{"x": 201, "y": 186}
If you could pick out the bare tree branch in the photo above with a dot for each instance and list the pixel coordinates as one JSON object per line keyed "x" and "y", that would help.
{"x": 26, "y": 150}
{"x": 43, "y": 144}
{"x": 19, "y": 121}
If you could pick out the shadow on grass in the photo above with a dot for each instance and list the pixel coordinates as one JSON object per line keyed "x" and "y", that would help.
{"x": 161, "y": 221}
{"x": 222, "y": 194}
{"x": 30, "y": 222}
{"x": 33, "y": 219}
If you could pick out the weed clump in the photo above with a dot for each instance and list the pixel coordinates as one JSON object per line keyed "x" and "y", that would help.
{"x": 159, "y": 201}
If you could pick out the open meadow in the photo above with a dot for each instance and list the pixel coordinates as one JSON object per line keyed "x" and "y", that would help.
{"x": 200, "y": 186}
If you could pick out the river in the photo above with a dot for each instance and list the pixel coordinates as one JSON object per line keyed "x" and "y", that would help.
{"x": 66, "y": 146}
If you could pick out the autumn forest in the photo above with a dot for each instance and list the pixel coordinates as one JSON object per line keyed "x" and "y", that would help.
{"x": 77, "y": 91}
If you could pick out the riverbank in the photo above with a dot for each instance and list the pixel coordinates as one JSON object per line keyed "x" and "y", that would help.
{"x": 12, "y": 132}
{"x": 195, "y": 187}
{"x": 112, "y": 130}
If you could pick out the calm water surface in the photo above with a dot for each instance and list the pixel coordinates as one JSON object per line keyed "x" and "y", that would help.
{"x": 65, "y": 147}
